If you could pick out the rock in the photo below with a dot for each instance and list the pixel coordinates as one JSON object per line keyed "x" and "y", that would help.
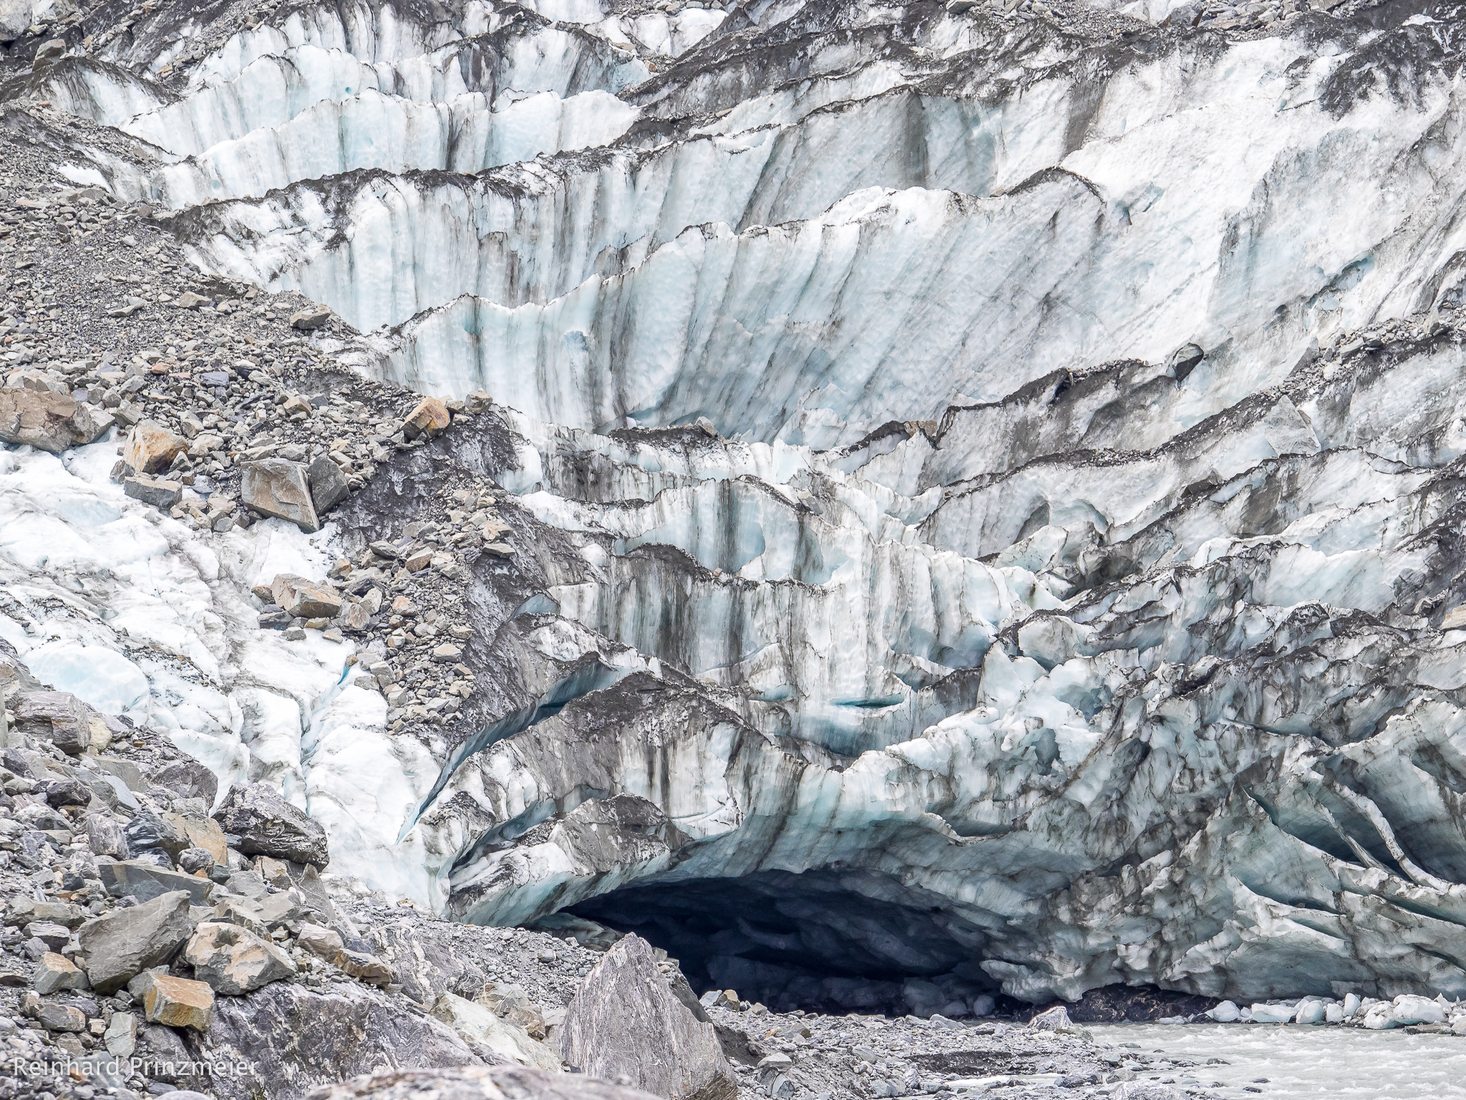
{"x": 267, "y": 825}
{"x": 304, "y": 598}
{"x": 477, "y": 1083}
{"x": 364, "y": 967}
{"x": 145, "y": 881}
{"x": 150, "y": 831}
{"x": 118, "y": 945}
{"x": 318, "y": 1037}
{"x": 54, "y": 1016}
{"x": 480, "y": 1027}
{"x": 48, "y": 421}
{"x": 310, "y": 318}
{"x": 120, "y": 1038}
{"x": 428, "y": 418}
{"x": 321, "y": 941}
{"x": 56, "y": 973}
{"x": 190, "y": 779}
{"x": 233, "y": 960}
{"x": 155, "y": 491}
{"x": 624, "y": 1022}
{"x": 48, "y": 51}
{"x": 152, "y": 447}
{"x": 54, "y": 936}
{"x": 174, "y": 1001}
{"x": 64, "y": 720}
{"x": 279, "y": 488}
{"x": 328, "y": 484}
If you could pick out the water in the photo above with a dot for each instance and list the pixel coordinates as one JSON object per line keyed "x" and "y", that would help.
{"x": 1302, "y": 1063}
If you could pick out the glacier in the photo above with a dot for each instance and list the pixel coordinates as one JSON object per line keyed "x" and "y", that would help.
{"x": 987, "y": 484}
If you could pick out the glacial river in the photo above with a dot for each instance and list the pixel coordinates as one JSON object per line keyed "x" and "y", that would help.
{"x": 1302, "y": 1063}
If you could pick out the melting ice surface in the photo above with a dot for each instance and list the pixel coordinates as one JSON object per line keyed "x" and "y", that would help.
{"x": 1303, "y": 1063}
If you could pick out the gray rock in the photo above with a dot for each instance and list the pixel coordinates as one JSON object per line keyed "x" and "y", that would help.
{"x": 294, "y": 1038}
{"x": 310, "y": 319}
{"x": 279, "y": 488}
{"x": 64, "y": 720}
{"x": 158, "y": 492}
{"x": 267, "y": 825}
{"x": 120, "y": 944}
{"x": 190, "y": 779}
{"x": 625, "y": 1022}
{"x": 328, "y": 484}
{"x": 145, "y": 881}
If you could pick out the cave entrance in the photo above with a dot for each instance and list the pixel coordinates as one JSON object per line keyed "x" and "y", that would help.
{"x": 819, "y": 941}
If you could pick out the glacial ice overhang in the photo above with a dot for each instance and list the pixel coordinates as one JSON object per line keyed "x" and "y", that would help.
{"x": 1067, "y": 574}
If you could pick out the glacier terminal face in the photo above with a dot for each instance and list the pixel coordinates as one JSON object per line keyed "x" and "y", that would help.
{"x": 986, "y": 482}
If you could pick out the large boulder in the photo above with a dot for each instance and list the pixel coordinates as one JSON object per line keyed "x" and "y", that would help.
{"x": 280, "y": 488}
{"x": 626, "y": 1023}
{"x": 118, "y": 946}
{"x": 294, "y": 1038}
{"x": 47, "y": 420}
{"x": 267, "y": 825}
{"x": 63, "y": 719}
{"x": 479, "y": 1083}
{"x": 235, "y": 961}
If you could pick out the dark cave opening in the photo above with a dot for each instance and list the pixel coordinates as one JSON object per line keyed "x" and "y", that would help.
{"x": 819, "y": 941}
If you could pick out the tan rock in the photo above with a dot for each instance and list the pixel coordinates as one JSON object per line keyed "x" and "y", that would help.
{"x": 48, "y": 421}
{"x": 202, "y": 833}
{"x": 55, "y": 973}
{"x": 233, "y": 960}
{"x": 306, "y": 598}
{"x": 176, "y": 1002}
{"x": 152, "y": 447}
{"x": 430, "y": 417}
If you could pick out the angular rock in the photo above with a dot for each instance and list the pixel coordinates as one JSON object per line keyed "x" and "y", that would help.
{"x": 624, "y": 1022}
{"x": 321, "y": 941}
{"x": 64, "y": 720}
{"x": 190, "y": 779}
{"x": 305, "y": 598}
{"x": 151, "y": 447}
{"x": 279, "y": 488}
{"x": 267, "y": 825}
{"x": 428, "y": 418}
{"x": 145, "y": 881}
{"x": 310, "y": 318}
{"x": 158, "y": 492}
{"x": 48, "y": 421}
{"x": 174, "y": 1001}
{"x": 120, "y": 1038}
{"x": 328, "y": 484}
{"x": 119, "y": 945}
{"x": 56, "y": 973}
{"x": 233, "y": 960}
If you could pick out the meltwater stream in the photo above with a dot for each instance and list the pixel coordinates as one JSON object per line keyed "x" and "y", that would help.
{"x": 1302, "y": 1063}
